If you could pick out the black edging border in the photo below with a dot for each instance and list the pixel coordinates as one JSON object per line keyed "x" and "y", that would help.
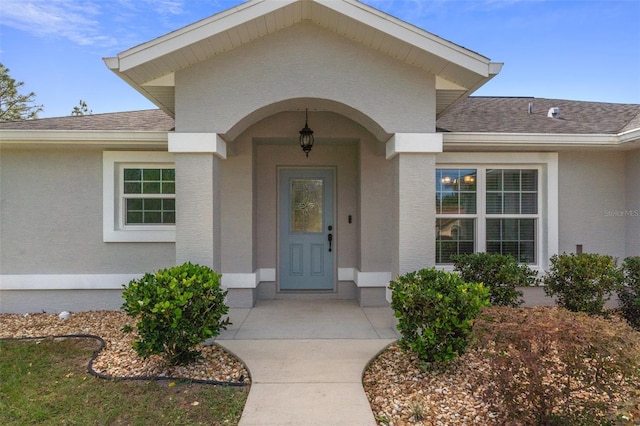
{"x": 125, "y": 378}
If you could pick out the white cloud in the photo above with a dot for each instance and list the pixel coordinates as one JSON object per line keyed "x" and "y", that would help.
{"x": 73, "y": 20}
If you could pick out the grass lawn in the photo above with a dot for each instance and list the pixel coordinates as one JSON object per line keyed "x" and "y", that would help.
{"x": 47, "y": 382}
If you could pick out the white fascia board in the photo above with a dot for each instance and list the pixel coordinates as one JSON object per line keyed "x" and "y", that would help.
{"x": 113, "y": 62}
{"x": 198, "y": 143}
{"x": 200, "y": 30}
{"x": 83, "y": 138}
{"x": 414, "y": 143}
{"x": 410, "y": 34}
{"x": 528, "y": 140}
{"x": 630, "y": 136}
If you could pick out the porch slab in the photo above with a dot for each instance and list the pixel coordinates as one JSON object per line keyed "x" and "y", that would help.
{"x": 310, "y": 319}
{"x": 306, "y": 359}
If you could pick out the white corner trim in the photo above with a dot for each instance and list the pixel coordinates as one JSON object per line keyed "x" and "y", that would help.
{"x": 198, "y": 143}
{"x": 347, "y": 274}
{"x": 66, "y": 281}
{"x": 239, "y": 280}
{"x": 414, "y": 143}
{"x": 266, "y": 274}
{"x": 248, "y": 280}
{"x": 364, "y": 279}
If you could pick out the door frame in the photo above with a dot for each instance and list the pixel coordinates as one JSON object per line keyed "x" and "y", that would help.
{"x": 335, "y": 245}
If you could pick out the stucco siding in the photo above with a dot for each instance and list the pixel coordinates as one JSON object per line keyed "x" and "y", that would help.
{"x": 376, "y": 205}
{"x": 236, "y": 209}
{"x": 198, "y": 209}
{"x": 213, "y": 96}
{"x": 591, "y": 187}
{"x": 632, "y": 214}
{"x": 416, "y": 211}
{"x": 51, "y": 218}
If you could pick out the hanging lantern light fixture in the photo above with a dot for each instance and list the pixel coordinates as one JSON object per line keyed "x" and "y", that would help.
{"x": 306, "y": 135}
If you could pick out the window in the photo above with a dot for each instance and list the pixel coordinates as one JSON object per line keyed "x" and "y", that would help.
{"x": 149, "y": 196}
{"x": 456, "y": 210}
{"x": 138, "y": 197}
{"x": 487, "y": 209}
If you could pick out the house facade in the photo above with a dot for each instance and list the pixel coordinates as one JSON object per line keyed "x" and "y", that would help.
{"x": 406, "y": 168}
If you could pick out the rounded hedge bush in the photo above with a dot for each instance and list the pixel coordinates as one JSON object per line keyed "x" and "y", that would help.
{"x": 630, "y": 293}
{"x": 582, "y": 282}
{"x": 435, "y": 311}
{"x": 501, "y": 273}
{"x": 177, "y": 309}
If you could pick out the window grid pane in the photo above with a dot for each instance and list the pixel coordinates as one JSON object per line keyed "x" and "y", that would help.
{"x": 456, "y": 191}
{"x": 512, "y": 191}
{"x": 149, "y": 181}
{"x": 150, "y": 211}
{"x": 454, "y": 236}
{"x": 515, "y": 237}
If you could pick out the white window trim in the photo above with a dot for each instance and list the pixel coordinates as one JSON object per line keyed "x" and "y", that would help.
{"x": 547, "y": 164}
{"x": 113, "y": 229}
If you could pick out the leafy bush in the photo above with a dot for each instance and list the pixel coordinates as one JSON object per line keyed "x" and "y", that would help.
{"x": 551, "y": 366}
{"x": 630, "y": 294}
{"x": 177, "y": 309}
{"x": 435, "y": 311}
{"x": 501, "y": 273}
{"x": 582, "y": 282}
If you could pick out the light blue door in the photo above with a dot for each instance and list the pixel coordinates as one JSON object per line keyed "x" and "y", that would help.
{"x": 306, "y": 229}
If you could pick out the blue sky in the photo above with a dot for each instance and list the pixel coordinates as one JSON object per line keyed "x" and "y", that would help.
{"x": 565, "y": 49}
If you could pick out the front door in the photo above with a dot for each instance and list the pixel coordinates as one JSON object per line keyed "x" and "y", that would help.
{"x": 306, "y": 229}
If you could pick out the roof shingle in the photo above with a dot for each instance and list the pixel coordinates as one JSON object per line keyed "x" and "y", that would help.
{"x": 145, "y": 120}
{"x": 474, "y": 114}
{"x": 511, "y": 115}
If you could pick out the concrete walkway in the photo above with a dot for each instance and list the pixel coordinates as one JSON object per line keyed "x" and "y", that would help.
{"x": 306, "y": 359}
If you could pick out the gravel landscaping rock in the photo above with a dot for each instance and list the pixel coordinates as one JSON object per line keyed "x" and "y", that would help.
{"x": 118, "y": 359}
{"x": 404, "y": 391}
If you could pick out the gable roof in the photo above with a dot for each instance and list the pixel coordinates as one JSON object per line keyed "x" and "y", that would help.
{"x": 150, "y": 67}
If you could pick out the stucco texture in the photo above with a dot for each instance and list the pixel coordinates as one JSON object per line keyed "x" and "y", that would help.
{"x": 51, "y": 210}
{"x": 304, "y": 61}
{"x": 591, "y": 186}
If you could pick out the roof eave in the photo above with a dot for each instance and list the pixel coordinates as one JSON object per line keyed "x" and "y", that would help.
{"x": 469, "y": 141}
{"x": 113, "y": 63}
{"x": 493, "y": 69}
{"x": 84, "y": 138}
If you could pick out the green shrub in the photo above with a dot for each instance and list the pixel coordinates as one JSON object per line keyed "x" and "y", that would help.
{"x": 176, "y": 309}
{"x": 501, "y": 273}
{"x": 551, "y": 366}
{"x": 630, "y": 293}
{"x": 435, "y": 311}
{"x": 582, "y": 282}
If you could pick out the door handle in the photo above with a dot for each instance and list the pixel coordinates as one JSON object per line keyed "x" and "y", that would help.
{"x": 330, "y": 238}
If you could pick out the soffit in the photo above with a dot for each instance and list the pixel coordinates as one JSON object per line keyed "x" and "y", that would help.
{"x": 150, "y": 67}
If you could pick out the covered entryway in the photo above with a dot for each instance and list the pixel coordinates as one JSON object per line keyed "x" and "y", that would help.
{"x": 306, "y": 229}
{"x": 238, "y": 84}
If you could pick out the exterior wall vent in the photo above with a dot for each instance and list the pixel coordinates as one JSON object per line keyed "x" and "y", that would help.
{"x": 553, "y": 112}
